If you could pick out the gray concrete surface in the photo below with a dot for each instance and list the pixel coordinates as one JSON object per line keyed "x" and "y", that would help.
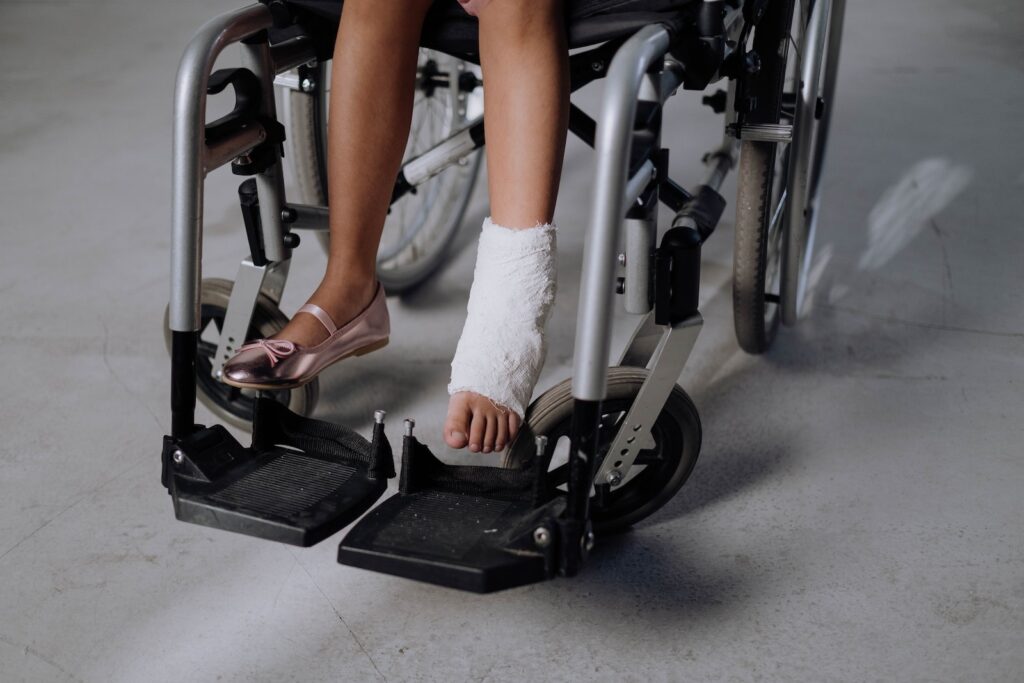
{"x": 855, "y": 515}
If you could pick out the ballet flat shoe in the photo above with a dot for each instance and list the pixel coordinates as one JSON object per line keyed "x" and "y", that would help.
{"x": 270, "y": 364}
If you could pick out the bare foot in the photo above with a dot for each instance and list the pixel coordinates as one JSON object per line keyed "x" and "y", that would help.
{"x": 343, "y": 301}
{"x": 474, "y": 421}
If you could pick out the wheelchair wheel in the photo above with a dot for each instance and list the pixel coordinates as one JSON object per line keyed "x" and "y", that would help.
{"x": 231, "y": 404}
{"x": 420, "y": 226}
{"x": 761, "y": 196}
{"x": 657, "y": 474}
{"x": 813, "y": 105}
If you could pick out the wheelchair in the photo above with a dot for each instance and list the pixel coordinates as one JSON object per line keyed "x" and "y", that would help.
{"x": 596, "y": 453}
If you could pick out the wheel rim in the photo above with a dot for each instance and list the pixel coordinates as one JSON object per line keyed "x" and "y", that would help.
{"x": 780, "y": 199}
{"x": 420, "y": 226}
{"x": 660, "y": 472}
{"x": 813, "y": 104}
{"x": 645, "y": 479}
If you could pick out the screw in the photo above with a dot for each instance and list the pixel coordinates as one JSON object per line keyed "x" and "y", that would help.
{"x": 542, "y": 537}
{"x": 378, "y": 416}
{"x": 622, "y": 259}
{"x": 596, "y": 66}
{"x": 307, "y": 84}
{"x": 178, "y": 457}
{"x": 614, "y": 477}
{"x": 409, "y": 424}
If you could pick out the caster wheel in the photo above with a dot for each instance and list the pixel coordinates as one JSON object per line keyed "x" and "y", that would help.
{"x": 657, "y": 474}
{"x": 231, "y": 404}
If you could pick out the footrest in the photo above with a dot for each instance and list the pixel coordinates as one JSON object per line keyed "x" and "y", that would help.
{"x": 301, "y": 481}
{"x": 480, "y": 529}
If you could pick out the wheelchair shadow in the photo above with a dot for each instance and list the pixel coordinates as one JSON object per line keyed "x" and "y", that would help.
{"x": 644, "y": 571}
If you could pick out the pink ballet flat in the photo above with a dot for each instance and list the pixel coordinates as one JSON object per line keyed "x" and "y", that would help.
{"x": 282, "y": 364}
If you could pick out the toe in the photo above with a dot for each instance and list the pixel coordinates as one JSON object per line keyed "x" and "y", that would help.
{"x": 490, "y": 432}
{"x": 476, "y": 431}
{"x": 513, "y": 425}
{"x": 502, "y": 438}
{"x": 456, "y": 427}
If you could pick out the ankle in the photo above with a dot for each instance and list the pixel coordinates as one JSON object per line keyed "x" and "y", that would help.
{"x": 350, "y": 288}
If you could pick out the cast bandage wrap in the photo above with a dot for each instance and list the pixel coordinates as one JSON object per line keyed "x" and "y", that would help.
{"x": 502, "y": 348}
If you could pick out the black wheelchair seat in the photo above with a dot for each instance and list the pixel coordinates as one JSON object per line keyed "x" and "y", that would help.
{"x": 450, "y": 29}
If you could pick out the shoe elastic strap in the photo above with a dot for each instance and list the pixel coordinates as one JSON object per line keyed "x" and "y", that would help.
{"x": 320, "y": 315}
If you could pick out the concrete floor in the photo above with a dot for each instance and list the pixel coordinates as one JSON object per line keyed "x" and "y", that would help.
{"x": 856, "y": 512}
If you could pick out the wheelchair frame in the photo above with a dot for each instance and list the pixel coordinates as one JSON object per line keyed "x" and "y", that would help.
{"x": 661, "y": 281}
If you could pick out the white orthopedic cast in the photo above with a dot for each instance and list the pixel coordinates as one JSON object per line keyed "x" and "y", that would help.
{"x": 502, "y": 348}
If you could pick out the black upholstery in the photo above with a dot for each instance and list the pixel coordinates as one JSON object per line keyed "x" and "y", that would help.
{"x": 450, "y": 29}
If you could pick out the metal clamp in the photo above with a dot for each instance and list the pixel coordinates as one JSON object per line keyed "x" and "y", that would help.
{"x": 665, "y": 365}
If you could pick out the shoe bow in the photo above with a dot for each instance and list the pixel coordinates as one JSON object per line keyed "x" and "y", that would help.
{"x": 276, "y": 349}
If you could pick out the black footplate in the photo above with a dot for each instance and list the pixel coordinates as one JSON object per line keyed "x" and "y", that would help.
{"x": 301, "y": 481}
{"x": 480, "y": 529}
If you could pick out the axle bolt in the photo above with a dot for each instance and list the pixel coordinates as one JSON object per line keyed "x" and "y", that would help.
{"x": 614, "y": 478}
{"x": 178, "y": 457}
{"x": 542, "y": 537}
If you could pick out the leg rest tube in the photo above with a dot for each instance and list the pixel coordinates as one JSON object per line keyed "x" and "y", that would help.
{"x": 593, "y": 326}
{"x": 188, "y": 148}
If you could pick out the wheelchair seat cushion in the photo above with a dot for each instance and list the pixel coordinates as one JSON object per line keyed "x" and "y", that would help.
{"x": 450, "y": 29}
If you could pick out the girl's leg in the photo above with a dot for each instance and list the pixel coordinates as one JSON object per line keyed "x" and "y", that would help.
{"x": 525, "y": 64}
{"x": 372, "y": 90}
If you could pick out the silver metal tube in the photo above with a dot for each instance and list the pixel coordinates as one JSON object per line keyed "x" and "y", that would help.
{"x": 270, "y": 182}
{"x": 640, "y": 236}
{"x": 611, "y": 148}
{"x": 720, "y": 162}
{"x": 292, "y": 53}
{"x": 309, "y": 217}
{"x": 225, "y": 151}
{"x": 188, "y": 148}
{"x": 671, "y": 79}
{"x": 442, "y": 155}
{"x": 636, "y": 185}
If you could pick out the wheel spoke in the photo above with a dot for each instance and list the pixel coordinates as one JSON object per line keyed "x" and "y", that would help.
{"x": 773, "y": 226}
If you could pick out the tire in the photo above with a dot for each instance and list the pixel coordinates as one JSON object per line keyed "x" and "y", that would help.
{"x": 760, "y": 194}
{"x": 420, "y": 226}
{"x": 658, "y": 473}
{"x": 813, "y": 105}
{"x": 235, "y": 406}
{"x": 756, "y": 319}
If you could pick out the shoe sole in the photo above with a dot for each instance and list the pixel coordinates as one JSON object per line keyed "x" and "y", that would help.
{"x": 362, "y": 351}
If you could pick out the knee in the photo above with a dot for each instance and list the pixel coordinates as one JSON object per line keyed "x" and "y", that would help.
{"x": 519, "y": 14}
{"x": 384, "y": 12}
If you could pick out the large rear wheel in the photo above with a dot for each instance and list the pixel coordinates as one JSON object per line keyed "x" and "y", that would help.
{"x": 813, "y": 103}
{"x": 422, "y": 225}
{"x": 761, "y": 196}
